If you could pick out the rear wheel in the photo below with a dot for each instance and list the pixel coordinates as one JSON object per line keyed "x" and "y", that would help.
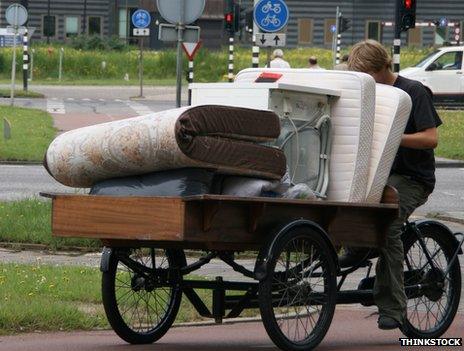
{"x": 141, "y": 300}
{"x": 432, "y": 309}
{"x": 297, "y": 297}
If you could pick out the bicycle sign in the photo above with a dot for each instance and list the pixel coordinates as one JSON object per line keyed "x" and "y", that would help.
{"x": 271, "y": 15}
{"x": 141, "y": 19}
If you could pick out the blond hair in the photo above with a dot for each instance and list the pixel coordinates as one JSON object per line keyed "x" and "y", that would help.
{"x": 369, "y": 56}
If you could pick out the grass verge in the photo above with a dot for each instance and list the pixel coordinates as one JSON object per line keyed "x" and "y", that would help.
{"x": 6, "y": 93}
{"x": 29, "y": 221}
{"x": 451, "y": 143}
{"x": 31, "y": 132}
{"x": 47, "y": 298}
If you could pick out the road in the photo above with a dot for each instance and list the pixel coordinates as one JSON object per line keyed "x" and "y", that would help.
{"x": 351, "y": 329}
{"x": 19, "y": 182}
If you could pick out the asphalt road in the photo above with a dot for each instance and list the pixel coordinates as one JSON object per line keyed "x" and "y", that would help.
{"x": 19, "y": 182}
{"x": 351, "y": 329}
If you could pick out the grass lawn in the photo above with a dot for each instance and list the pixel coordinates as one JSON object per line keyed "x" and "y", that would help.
{"x": 48, "y": 298}
{"x": 31, "y": 132}
{"x": 451, "y": 144}
{"x": 29, "y": 221}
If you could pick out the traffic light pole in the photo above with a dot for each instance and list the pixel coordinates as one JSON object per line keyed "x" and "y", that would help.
{"x": 397, "y": 40}
{"x": 231, "y": 58}
{"x": 335, "y": 44}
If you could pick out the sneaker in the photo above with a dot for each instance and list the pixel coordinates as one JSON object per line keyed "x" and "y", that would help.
{"x": 388, "y": 323}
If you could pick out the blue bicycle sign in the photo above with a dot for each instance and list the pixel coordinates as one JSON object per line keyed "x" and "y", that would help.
{"x": 141, "y": 19}
{"x": 271, "y": 15}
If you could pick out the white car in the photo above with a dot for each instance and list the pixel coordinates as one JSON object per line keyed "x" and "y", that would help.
{"x": 442, "y": 72}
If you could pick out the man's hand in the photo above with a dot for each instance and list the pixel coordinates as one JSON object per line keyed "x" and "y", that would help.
{"x": 426, "y": 139}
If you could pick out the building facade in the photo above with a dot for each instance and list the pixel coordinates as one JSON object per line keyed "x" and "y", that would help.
{"x": 310, "y": 21}
{"x": 59, "y": 20}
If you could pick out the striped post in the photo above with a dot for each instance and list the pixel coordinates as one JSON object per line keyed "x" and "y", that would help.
{"x": 339, "y": 44}
{"x": 25, "y": 59}
{"x": 190, "y": 80}
{"x": 396, "y": 55}
{"x": 255, "y": 60}
{"x": 231, "y": 59}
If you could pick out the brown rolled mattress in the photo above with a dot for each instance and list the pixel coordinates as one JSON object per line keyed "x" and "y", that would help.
{"x": 221, "y": 138}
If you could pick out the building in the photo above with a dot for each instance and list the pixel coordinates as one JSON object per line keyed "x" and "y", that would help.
{"x": 61, "y": 19}
{"x": 310, "y": 21}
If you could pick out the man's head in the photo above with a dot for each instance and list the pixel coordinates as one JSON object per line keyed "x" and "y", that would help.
{"x": 278, "y": 53}
{"x": 371, "y": 57}
{"x": 312, "y": 61}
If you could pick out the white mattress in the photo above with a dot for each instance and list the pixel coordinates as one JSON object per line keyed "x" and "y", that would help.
{"x": 392, "y": 109}
{"x": 352, "y": 120}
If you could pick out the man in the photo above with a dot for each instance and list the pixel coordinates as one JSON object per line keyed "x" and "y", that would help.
{"x": 343, "y": 65}
{"x": 278, "y": 60}
{"x": 312, "y": 63}
{"x": 413, "y": 175}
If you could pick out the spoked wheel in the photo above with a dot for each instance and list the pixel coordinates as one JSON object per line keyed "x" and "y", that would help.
{"x": 140, "y": 297}
{"x": 297, "y": 297}
{"x": 432, "y": 309}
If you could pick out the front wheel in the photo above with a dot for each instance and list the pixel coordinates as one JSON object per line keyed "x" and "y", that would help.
{"x": 140, "y": 296}
{"x": 298, "y": 295}
{"x": 431, "y": 310}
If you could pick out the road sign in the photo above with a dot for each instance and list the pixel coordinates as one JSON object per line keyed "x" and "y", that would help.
{"x": 191, "y": 49}
{"x": 141, "y": 19}
{"x": 16, "y": 15}
{"x": 141, "y": 32}
{"x": 271, "y": 15}
{"x": 168, "y": 32}
{"x": 333, "y": 28}
{"x": 271, "y": 39}
{"x": 443, "y": 22}
{"x": 171, "y": 10}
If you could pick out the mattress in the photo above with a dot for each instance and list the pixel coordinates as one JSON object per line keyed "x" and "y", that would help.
{"x": 219, "y": 138}
{"x": 392, "y": 109}
{"x": 352, "y": 118}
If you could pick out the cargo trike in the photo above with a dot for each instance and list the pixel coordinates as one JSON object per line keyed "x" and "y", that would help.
{"x": 296, "y": 281}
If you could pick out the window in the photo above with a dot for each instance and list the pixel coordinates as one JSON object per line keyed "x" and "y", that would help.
{"x": 49, "y": 26}
{"x": 71, "y": 26}
{"x": 441, "y": 35}
{"x": 94, "y": 26}
{"x": 374, "y": 30}
{"x": 449, "y": 61}
{"x": 122, "y": 23}
{"x": 328, "y": 34}
{"x": 415, "y": 37}
{"x": 305, "y": 31}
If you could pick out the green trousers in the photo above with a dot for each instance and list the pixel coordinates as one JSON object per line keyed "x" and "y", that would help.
{"x": 389, "y": 294}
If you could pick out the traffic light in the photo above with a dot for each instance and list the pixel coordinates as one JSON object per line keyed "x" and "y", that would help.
{"x": 406, "y": 14}
{"x": 229, "y": 16}
{"x": 343, "y": 24}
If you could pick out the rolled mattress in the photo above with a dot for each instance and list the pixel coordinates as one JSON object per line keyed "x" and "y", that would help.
{"x": 220, "y": 138}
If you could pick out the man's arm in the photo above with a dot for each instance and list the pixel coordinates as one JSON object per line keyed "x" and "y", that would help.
{"x": 426, "y": 139}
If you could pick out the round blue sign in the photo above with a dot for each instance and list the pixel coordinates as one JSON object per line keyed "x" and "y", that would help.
{"x": 141, "y": 19}
{"x": 333, "y": 28}
{"x": 271, "y": 15}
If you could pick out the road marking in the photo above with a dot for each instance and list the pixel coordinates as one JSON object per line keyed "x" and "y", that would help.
{"x": 55, "y": 106}
{"x": 86, "y": 99}
{"x": 102, "y": 100}
{"x": 447, "y": 193}
{"x": 70, "y": 99}
{"x": 139, "y": 108}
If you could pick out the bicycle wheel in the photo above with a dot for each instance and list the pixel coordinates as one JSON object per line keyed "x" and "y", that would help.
{"x": 431, "y": 310}
{"x": 298, "y": 296}
{"x": 139, "y": 307}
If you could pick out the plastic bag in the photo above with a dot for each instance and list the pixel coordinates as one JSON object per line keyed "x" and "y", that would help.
{"x": 179, "y": 182}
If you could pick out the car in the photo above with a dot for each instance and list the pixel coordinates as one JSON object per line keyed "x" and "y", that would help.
{"x": 442, "y": 72}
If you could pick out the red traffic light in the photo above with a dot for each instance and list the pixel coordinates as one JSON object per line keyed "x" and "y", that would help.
{"x": 408, "y": 4}
{"x": 229, "y": 17}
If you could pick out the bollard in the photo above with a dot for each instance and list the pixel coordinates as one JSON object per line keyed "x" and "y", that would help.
{"x": 6, "y": 129}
